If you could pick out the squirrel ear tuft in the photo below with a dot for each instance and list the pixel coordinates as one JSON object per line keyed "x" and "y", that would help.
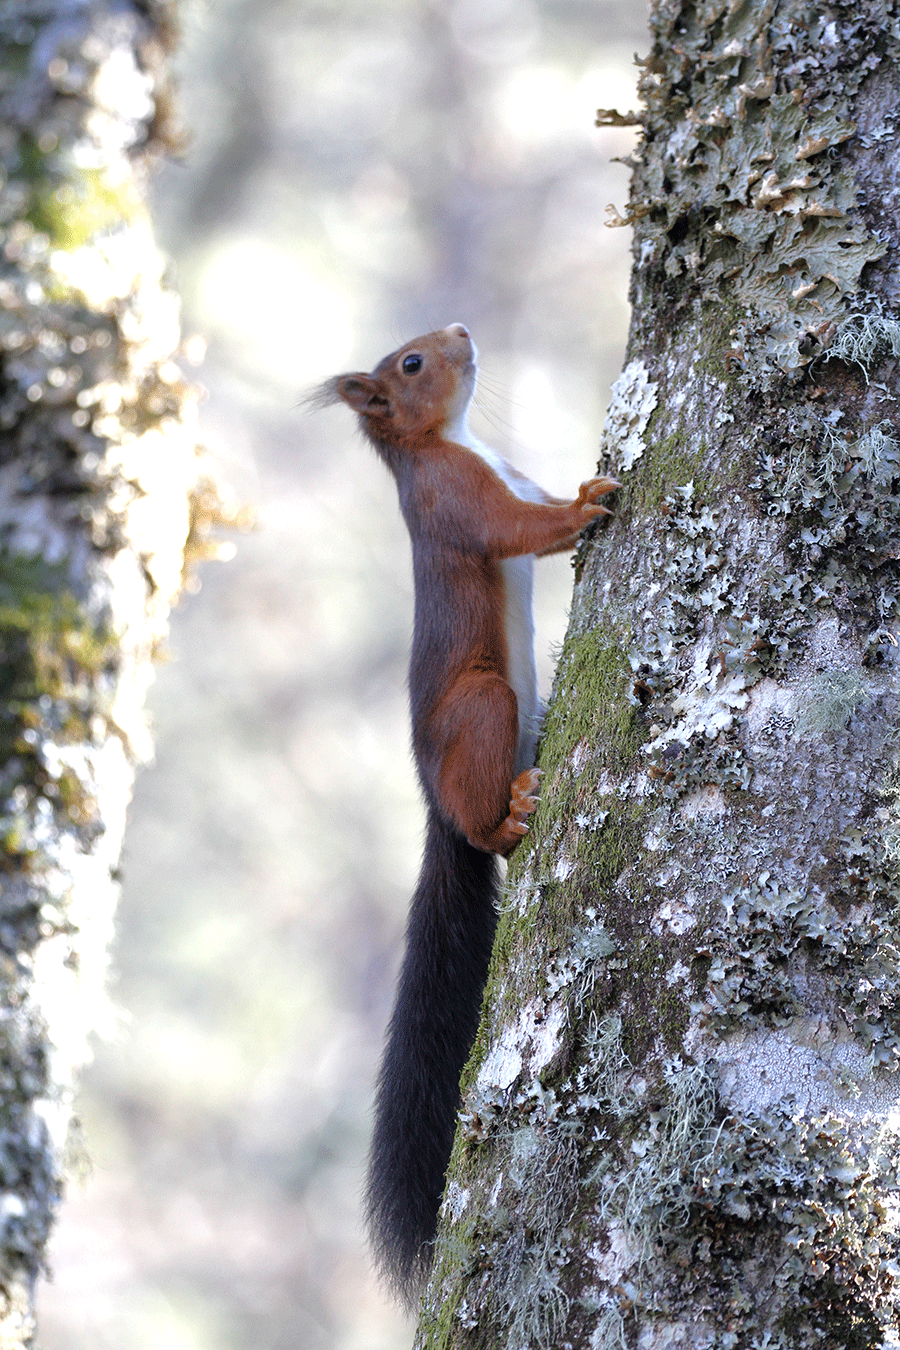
{"x": 323, "y": 395}
{"x": 363, "y": 393}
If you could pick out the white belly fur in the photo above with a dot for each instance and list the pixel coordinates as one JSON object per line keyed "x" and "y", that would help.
{"x": 518, "y": 577}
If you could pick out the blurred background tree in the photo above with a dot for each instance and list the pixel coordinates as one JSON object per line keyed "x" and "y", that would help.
{"x": 354, "y": 175}
{"x": 102, "y": 497}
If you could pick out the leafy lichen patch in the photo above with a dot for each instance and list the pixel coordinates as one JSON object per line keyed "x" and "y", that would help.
{"x": 740, "y": 186}
{"x": 813, "y": 1060}
{"x": 634, "y": 397}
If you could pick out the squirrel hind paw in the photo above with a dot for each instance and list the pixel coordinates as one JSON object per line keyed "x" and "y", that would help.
{"x": 523, "y": 799}
{"x": 522, "y": 803}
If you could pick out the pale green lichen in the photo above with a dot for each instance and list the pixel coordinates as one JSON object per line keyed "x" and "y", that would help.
{"x": 817, "y": 466}
{"x": 864, "y": 339}
{"x": 710, "y": 1198}
{"x": 841, "y": 494}
{"x": 878, "y": 451}
{"x": 531, "y": 1302}
{"x": 592, "y": 946}
{"x": 828, "y": 701}
{"x": 688, "y": 716}
{"x": 804, "y": 1187}
{"x": 542, "y": 1177}
{"x": 609, "y": 1332}
{"x": 654, "y": 1195}
{"x": 605, "y": 1060}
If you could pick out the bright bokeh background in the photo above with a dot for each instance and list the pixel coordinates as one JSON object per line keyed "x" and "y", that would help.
{"x": 358, "y": 173}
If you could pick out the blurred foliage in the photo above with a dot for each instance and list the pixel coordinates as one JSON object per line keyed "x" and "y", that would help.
{"x": 354, "y": 174}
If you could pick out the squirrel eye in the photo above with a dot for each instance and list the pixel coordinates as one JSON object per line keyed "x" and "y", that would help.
{"x": 411, "y": 364}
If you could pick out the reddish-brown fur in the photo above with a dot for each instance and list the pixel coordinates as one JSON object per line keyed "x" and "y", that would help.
{"x": 459, "y": 503}
{"x": 462, "y": 519}
{"x": 468, "y": 671}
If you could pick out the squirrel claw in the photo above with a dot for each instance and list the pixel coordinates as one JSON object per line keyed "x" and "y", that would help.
{"x": 523, "y": 801}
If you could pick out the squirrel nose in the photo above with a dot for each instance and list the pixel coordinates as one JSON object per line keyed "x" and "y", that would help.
{"x": 457, "y": 330}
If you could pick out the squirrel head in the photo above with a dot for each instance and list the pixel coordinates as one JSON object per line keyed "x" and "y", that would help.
{"x": 422, "y": 388}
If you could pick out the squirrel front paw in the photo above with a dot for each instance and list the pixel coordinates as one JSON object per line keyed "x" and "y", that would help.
{"x": 591, "y": 490}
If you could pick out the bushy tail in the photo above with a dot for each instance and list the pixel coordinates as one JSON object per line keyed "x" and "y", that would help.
{"x": 448, "y": 946}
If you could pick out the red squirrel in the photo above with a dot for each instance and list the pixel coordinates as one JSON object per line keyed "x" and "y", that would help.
{"x": 475, "y": 523}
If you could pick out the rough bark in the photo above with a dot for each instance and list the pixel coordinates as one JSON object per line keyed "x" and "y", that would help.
{"x": 101, "y": 491}
{"x": 680, "y": 1122}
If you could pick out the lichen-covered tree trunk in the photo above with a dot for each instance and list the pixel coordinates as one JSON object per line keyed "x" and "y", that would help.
{"x": 681, "y": 1122}
{"x": 100, "y": 492}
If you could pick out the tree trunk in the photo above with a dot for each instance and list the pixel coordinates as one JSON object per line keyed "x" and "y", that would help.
{"x": 100, "y": 493}
{"x": 680, "y": 1121}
